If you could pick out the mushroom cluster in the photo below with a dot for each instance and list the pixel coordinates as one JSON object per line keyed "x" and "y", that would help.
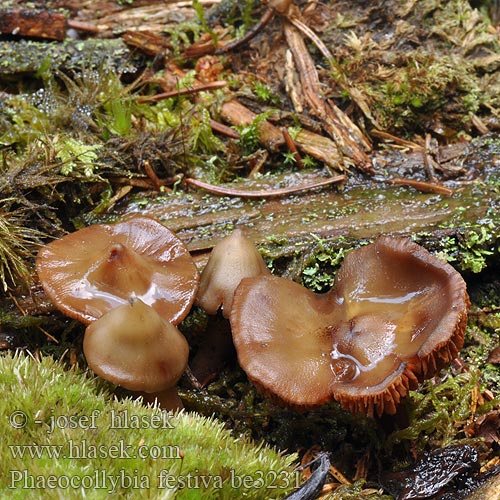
{"x": 131, "y": 282}
{"x": 395, "y": 315}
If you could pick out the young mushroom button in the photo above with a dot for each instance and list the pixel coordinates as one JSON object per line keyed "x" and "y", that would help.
{"x": 133, "y": 347}
{"x": 232, "y": 259}
{"x": 395, "y": 315}
{"x": 89, "y": 272}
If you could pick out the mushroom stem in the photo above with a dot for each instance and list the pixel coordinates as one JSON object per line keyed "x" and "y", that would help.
{"x": 166, "y": 400}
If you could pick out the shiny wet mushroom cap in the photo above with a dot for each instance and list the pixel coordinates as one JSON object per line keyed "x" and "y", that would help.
{"x": 95, "y": 269}
{"x": 232, "y": 259}
{"x": 395, "y": 315}
{"x": 133, "y": 347}
{"x": 282, "y": 340}
{"x": 404, "y": 316}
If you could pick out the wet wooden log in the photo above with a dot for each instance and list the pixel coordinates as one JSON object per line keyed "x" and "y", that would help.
{"x": 292, "y": 228}
{"x": 29, "y": 56}
{"x": 462, "y": 226}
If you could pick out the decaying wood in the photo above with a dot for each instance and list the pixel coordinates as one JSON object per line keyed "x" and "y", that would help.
{"x": 33, "y": 23}
{"x": 298, "y": 222}
{"x": 233, "y": 112}
{"x": 114, "y": 18}
{"x": 489, "y": 490}
{"x": 236, "y": 114}
{"x": 149, "y": 42}
{"x": 320, "y": 147}
{"x": 341, "y": 129}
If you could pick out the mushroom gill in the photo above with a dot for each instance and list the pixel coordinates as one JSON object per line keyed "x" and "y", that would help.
{"x": 93, "y": 270}
{"x": 395, "y": 315}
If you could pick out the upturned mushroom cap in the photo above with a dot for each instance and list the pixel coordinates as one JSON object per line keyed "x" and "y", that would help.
{"x": 395, "y": 315}
{"x": 232, "y": 259}
{"x": 133, "y": 347}
{"x": 95, "y": 269}
{"x": 404, "y": 318}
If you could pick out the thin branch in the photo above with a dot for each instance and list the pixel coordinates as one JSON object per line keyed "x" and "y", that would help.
{"x": 428, "y": 161}
{"x": 190, "y": 90}
{"x": 292, "y": 147}
{"x": 426, "y": 187}
{"x": 348, "y": 137}
{"x": 398, "y": 140}
{"x": 312, "y": 36}
{"x": 225, "y": 191}
{"x": 251, "y": 33}
{"x": 224, "y": 129}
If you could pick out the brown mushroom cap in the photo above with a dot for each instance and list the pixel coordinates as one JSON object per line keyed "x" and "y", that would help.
{"x": 395, "y": 315}
{"x": 282, "y": 340}
{"x": 404, "y": 319}
{"x": 95, "y": 269}
{"x": 232, "y": 259}
{"x": 133, "y": 347}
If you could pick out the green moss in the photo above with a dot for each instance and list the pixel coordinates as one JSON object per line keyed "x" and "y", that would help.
{"x": 439, "y": 66}
{"x": 17, "y": 244}
{"x": 317, "y": 273}
{"x": 234, "y": 14}
{"x": 470, "y": 249}
{"x": 249, "y": 134}
{"x": 94, "y": 450}
{"x": 440, "y": 410}
{"x": 436, "y": 410}
{"x": 71, "y": 55}
{"x": 356, "y": 491}
{"x": 74, "y": 154}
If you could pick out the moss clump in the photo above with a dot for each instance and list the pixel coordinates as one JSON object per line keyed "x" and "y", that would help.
{"x": 356, "y": 491}
{"x": 28, "y": 56}
{"x": 435, "y": 411}
{"x": 437, "y": 69}
{"x": 17, "y": 243}
{"x": 88, "y": 453}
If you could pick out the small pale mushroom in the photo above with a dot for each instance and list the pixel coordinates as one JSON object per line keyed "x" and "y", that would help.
{"x": 91, "y": 271}
{"x": 133, "y": 347}
{"x": 232, "y": 259}
{"x": 395, "y": 315}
